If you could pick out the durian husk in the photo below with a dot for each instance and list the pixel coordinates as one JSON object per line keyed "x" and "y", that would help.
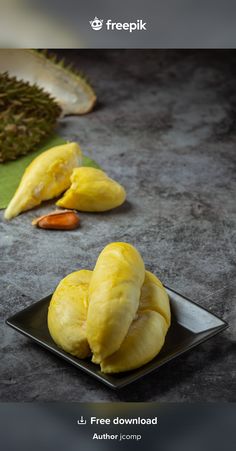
{"x": 69, "y": 87}
{"x": 28, "y": 115}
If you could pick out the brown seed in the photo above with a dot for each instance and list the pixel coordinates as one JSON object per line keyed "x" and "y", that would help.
{"x": 60, "y": 220}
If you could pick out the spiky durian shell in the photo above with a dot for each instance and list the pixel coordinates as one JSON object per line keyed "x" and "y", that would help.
{"x": 28, "y": 114}
{"x": 64, "y": 82}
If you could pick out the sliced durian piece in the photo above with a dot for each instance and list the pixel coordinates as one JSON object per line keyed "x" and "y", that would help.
{"x": 114, "y": 294}
{"x": 67, "y": 314}
{"x": 28, "y": 115}
{"x": 154, "y": 297}
{"x": 45, "y": 178}
{"x": 93, "y": 191}
{"x": 147, "y": 332}
{"x": 143, "y": 342}
{"x": 68, "y": 87}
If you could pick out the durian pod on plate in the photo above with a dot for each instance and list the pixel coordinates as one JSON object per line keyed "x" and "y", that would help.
{"x": 154, "y": 297}
{"x": 67, "y": 314}
{"x": 143, "y": 342}
{"x": 114, "y": 294}
{"x": 45, "y": 178}
{"x": 147, "y": 332}
{"x": 83, "y": 319}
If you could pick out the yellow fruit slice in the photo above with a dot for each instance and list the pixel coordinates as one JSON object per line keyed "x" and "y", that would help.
{"x": 93, "y": 191}
{"x": 119, "y": 311}
{"x": 45, "y": 178}
{"x": 142, "y": 343}
{"x": 154, "y": 297}
{"x": 114, "y": 294}
{"x": 147, "y": 332}
{"x": 67, "y": 314}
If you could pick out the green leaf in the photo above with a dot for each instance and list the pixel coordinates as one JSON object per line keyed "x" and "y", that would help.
{"x": 12, "y": 171}
{"x": 89, "y": 162}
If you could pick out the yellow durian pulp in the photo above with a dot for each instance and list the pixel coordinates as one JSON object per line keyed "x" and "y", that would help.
{"x": 147, "y": 332}
{"x": 93, "y": 191}
{"x": 154, "y": 297}
{"x": 114, "y": 293}
{"x": 67, "y": 314}
{"x": 143, "y": 342}
{"x": 45, "y": 178}
{"x": 118, "y": 312}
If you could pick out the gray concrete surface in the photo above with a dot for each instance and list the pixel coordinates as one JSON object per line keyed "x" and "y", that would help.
{"x": 165, "y": 128}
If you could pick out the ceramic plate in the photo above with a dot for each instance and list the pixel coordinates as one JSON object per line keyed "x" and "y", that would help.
{"x": 190, "y": 326}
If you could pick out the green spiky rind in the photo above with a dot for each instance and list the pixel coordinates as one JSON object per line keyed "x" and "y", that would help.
{"x": 70, "y": 69}
{"x": 28, "y": 115}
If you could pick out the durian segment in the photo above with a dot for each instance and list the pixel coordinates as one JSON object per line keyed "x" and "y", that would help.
{"x": 114, "y": 294}
{"x": 154, "y": 297}
{"x": 45, "y": 178}
{"x": 69, "y": 88}
{"x": 143, "y": 342}
{"x": 93, "y": 191}
{"x": 28, "y": 115}
{"x": 67, "y": 314}
{"x": 147, "y": 332}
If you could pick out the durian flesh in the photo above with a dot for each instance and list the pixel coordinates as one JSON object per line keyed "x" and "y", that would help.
{"x": 93, "y": 191}
{"x": 143, "y": 342}
{"x": 147, "y": 332}
{"x": 68, "y": 312}
{"x": 114, "y": 293}
{"x": 111, "y": 307}
{"x": 45, "y": 178}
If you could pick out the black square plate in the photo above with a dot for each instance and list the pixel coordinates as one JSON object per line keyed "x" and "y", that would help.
{"x": 190, "y": 326}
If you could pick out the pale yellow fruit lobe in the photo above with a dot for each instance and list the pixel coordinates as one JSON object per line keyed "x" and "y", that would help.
{"x": 143, "y": 342}
{"x": 67, "y": 314}
{"x": 114, "y": 294}
{"x": 154, "y": 297}
{"x": 119, "y": 312}
{"x": 93, "y": 191}
{"x": 147, "y": 332}
{"x": 45, "y": 178}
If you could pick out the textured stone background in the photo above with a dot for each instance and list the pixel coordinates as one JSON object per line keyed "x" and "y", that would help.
{"x": 165, "y": 128}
